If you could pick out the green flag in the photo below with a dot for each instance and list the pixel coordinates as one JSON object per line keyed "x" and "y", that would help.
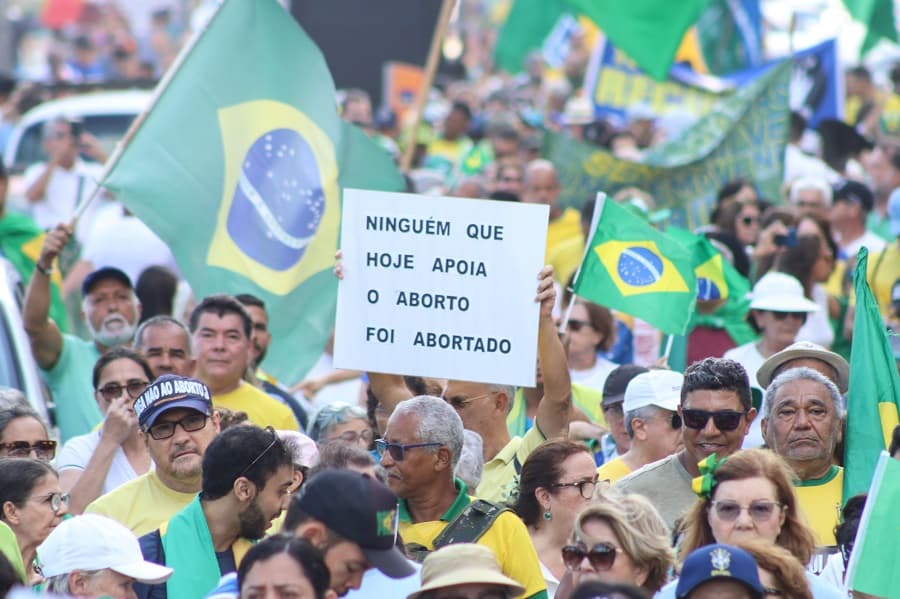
{"x": 526, "y": 27}
{"x": 744, "y": 135}
{"x": 649, "y": 31}
{"x": 631, "y": 267}
{"x": 874, "y": 394}
{"x": 874, "y": 566}
{"x": 878, "y": 18}
{"x": 239, "y": 167}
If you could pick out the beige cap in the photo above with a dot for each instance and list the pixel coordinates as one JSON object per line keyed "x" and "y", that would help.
{"x": 463, "y": 563}
{"x": 809, "y": 351}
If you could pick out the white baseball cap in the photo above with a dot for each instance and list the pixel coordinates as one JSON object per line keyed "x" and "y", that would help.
{"x": 780, "y": 292}
{"x": 93, "y": 542}
{"x": 661, "y": 388}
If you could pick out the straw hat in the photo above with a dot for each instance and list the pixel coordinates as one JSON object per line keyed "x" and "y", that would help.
{"x": 463, "y": 563}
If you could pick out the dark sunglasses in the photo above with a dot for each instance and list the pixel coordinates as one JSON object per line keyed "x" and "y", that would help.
{"x": 749, "y": 220}
{"x": 43, "y": 450}
{"x": 782, "y": 315}
{"x": 262, "y": 453}
{"x": 725, "y": 420}
{"x": 190, "y": 423}
{"x": 601, "y": 557}
{"x": 675, "y": 422}
{"x": 114, "y": 390}
{"x": 577, "y": 325}
{"x": 397, "y": 451}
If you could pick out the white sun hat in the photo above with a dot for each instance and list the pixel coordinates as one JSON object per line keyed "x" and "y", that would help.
{"x": 780, "y": 292}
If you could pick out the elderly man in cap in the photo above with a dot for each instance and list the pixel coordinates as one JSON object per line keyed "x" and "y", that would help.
{"x": 806, "y": 353}
{"x": 616, "y": 442}
{"x": 420, "y": 449}
{"x": 465, "y": 571}
{"x": 651, "y": 420}
{"x": 176, "y": 417}
{"x": 110, "y": 309}
{"x": 801, "y": 422}
{"x": 94, "y": 556}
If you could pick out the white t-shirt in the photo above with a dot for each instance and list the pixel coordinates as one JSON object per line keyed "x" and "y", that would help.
{"x": 77, "y": 452}
{"x": 126, "y": 243}
{"x": 595, "y": 376}
{"x": 869, "y": 240}
{"x": 749, "y": 357}
{"x": 62, "y": 197}
{"x": 550, "y": 579}
{"x": 817, "y": 327}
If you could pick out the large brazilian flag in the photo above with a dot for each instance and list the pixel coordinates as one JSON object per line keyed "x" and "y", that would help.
{"x": 239, "y": 166}
{"x": 631, "y": 267}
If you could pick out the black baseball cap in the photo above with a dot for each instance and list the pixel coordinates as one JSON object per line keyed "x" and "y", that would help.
{"x": 101, "y": 274}
{"x": 361, "y": 510}
{"x": 854, "y": 191}
{"x": 168, "y": 392}
{"x": 617, "y": 381}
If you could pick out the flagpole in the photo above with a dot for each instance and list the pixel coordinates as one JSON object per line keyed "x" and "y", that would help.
{"x": 431, "y": 65}
{"x": 599, "y": 201}
{"x": 668, "y": 351}
{"x": 136, "y": 124}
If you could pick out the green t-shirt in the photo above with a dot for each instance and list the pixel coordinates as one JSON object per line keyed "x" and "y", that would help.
{"x": 69, "y": 381}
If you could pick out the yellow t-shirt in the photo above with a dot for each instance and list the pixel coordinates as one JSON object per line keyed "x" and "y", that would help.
{"x": 141, "y": 504}
{"x": 561, "y": 232}
{"x": 565, "y": 258}
{"x": 261, "y": 409}
{"x": 883, "y": 271}
{"x": 500, "y": 476}
{"x": 613, "y": 470}
{"x": 507, "y": 538}
{"x": 820, "y": 501}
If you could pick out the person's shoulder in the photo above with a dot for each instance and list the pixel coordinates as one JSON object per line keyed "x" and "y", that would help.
{"x": 647, "y": 474}
{"x": 821, "y": 588}
{"x": 134, "y": 488}
{"x": 77, "y": 451}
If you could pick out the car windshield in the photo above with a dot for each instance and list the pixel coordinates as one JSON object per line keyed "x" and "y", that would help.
{"x": 108, "y": 128}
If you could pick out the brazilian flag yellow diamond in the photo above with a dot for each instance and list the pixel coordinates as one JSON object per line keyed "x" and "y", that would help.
{"x": 278, "y": 219}
{"x": 638, "y": 267}
{"x": 711, "y": 283}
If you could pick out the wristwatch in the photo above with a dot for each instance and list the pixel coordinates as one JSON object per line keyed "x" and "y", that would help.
{"x": 44, "y": 271}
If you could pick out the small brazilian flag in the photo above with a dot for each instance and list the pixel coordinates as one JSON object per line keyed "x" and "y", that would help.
{"x": 239, "y": 166}
{"x": 631, "y": 267}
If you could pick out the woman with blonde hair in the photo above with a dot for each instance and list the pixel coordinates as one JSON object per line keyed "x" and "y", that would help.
{"x": 745, "y": 497}
{"x": 618, "y": 539}
{"x": 781, "y": 574}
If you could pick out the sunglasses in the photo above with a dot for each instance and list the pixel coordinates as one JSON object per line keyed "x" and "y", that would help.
{"x": 461, "y": 403}
{"x": 779, "y": 316}
{"x": 190, "y": 423}
{"x": 749, "y": 220}
{"x": 43, "y": 450}
{"x": 114, "y": 390}
{"x": 397, "y": 451}
{"x": 56, "y": 500}
{"x": 585, "y": 487}
{"x": 577, "y": 325}
{"x": 262, "y": 453}
{"x": 759, "y": 511}
{"x": 601, "y": 557}
{"x": 725, "y": 420}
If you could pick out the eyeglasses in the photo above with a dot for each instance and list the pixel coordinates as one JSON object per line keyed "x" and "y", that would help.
{"x": 602, "y": 556}
{"x": 585, "y": 487}
{"x": 779, "y": 316}
{"x": 725, "y": 420}
{"x": 113, "y": 391}
{"x": 43, "y": 450}
{"x": 749, "y": 220}
{"x": 354, "y": 437}
{"x": 397, "y": 451}
{"x": 262, "y": 453}
{"x": 190, "y": 424}
{"x": 460, "y": 403}
{"x": 56, "y": 500}
{"x": 760, "y": 511}
{"x": 577, "y": 325}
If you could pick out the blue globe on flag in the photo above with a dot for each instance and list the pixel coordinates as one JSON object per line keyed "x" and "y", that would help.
{"x": 707, "y": 290}
{"x": 279, "y": 201}
{"x": 639, "y": 266}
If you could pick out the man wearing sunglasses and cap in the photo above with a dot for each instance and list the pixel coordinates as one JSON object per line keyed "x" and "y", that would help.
{"x": 247, "y": 477}
{"x": 651, "y": 420}
{"x": 176, "y": 418}
{"x": 716, "y": 413}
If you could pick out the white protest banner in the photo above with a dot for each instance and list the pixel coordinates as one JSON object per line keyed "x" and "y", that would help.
{"x": 439, "y": 287}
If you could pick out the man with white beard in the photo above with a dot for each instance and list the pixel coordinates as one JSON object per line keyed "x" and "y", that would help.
{"x": 110, "y": 309}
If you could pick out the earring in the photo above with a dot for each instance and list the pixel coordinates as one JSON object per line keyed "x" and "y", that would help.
{"x": 548, "y": 516}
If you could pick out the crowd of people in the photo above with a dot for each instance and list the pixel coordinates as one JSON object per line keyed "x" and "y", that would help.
{"x": 176, "y": 466}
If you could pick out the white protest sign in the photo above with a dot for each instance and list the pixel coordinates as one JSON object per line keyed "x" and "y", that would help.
{"x": 439, "y": 287}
